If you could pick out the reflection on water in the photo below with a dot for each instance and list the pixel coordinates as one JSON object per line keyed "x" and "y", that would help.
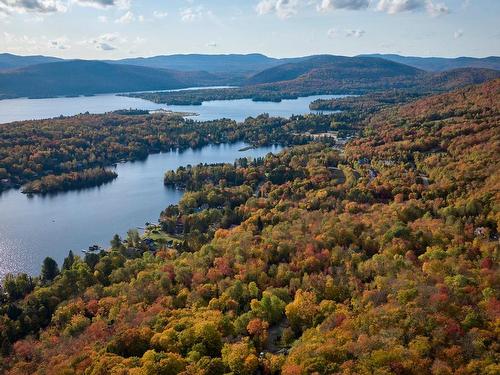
{"x": 51, "y": 225}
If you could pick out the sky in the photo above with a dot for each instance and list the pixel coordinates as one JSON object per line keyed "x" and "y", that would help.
{"x": 112, "y": 29}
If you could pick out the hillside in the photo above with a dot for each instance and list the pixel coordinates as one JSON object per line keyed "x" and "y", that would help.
{"x": 80, "y": 77}
{"x": 233, "y": 63}
{"x": 382, "y": 259}
{"x": 365, "y": 73}
{"x": 334, "y": 68}
{"x": 286, "y": 78}
{"x": 427, "y": 84}
{"x": 321, "y": 79}
{"x": 441, "y": 63}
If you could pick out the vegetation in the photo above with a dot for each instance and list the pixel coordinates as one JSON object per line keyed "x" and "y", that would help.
{"x": 379, "y": 260}
{"x": 366, "y": 104}
{"x": 329, "y": 75}
{"x": 70, "y": 181}
{"x": 70, "y": 152}
{"x": 80, "y": 77}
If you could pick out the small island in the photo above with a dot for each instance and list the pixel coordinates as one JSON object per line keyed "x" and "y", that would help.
{"x": 69, "y": 181}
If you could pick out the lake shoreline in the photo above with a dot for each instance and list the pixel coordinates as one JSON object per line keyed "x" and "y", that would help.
{"x": 76, "y": 219}
{"x": 113, "y": 166}
{"x": 15, "y": 110}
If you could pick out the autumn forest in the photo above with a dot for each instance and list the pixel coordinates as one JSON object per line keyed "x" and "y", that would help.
{"x": 379, "y": 256}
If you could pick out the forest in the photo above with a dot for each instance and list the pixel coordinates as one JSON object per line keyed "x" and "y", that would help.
{"x": 378, "y": 259}
{"x": 327, "y": 76}
{"x": 69, "y": 181}
{"x": 62, "y": 153}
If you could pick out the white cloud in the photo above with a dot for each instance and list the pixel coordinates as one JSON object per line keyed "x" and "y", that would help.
{"x": 126, "y": 18}
{"x": 356, "y": 33}
{"x": 326, "y": 5}
{"x": 8, "y": 7}
{"x": 105, "y": 42}
{"x": 288, "y": 8}
{"x": 158, "y": 14}
{"x": 399, "y": 6}
{"x": 332, "y": 33}
{"x": 436, "y": 10}
{"x": 282, "y": 8}
{"x": 103, "y": 46}
{"x": 59, "y": 43}
{"x": 122, "y": 4}
{"x": 348, "y": 33}
{"x": 103, "y": 19}
{"x": 458, "y": 34}
{"x": 35, "y": 6}
{"x": 192, "y": 14}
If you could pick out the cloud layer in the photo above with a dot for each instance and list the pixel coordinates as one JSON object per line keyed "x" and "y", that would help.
{"x": 55, "y": 6}
{"x": 288, "y": 8}
{"x": 36, "y": 6}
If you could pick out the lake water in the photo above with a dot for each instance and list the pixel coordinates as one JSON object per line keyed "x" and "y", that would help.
{"x": 239, "y": 110}
{"x": 33, "y": 228}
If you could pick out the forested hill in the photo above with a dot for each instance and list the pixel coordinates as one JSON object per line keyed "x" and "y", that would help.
{"x": 442, "y": 63}
{"x": 335, "y": 67}
{"x": 232, "y": 63}
{"x": 10, "y": 61}
{"x": 379, "y": 260}
{"x": 80, "y": 77}
{"x": 325, "y": 78}
{"x": 287, "y": 78}
{"x": 364, "y": 73}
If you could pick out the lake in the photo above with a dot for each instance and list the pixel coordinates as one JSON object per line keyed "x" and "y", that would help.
{"x": 33, "y": 228}
{"x": 239, "y": 110}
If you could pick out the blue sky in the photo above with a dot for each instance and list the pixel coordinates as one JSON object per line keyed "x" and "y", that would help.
{"x": 108, "y": 29}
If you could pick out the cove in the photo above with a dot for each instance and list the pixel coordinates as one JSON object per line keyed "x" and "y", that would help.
{"x": 32, "y": 228}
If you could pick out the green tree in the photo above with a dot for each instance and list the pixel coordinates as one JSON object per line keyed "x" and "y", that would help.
{"x": 116, "y": 242}
{"x": 49, "y": 270}
{"x": 17, "y": 286}
{"x": 68, "y": 261}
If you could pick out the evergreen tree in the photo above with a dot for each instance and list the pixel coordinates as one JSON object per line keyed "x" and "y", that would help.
{"x": 116, "y": 242}
{"x": 49, "y": 269}
{"x": 68, "y": 261}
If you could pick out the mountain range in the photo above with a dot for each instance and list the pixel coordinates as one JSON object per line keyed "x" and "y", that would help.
{"x": 255, "y": 62}
{"x": 10, "y": 61}
{"x": 437, "y": 64}
{"x": 41, "y": 76}
{"x": 80, "y": 77}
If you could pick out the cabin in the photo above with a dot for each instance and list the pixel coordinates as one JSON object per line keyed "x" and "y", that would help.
{"x": 481, "y": 232}
{"x": 150, "y": 244}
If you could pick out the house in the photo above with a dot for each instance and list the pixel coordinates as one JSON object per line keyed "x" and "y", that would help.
{"x": 150, "y": 244}
{"x": 481, "y": 232}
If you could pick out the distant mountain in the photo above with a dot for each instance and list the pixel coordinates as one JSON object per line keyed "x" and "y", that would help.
{"x": 225, "y": 64}
{"x": 457, "y": 78}
{"x": 290, "y": 78}
{"x": 436, "y": 64}
{"x": 10, "y": 61}
{"x": 329, "y": 81}
{"x": 79, "y": 77}
{"x": 327, "y": 67}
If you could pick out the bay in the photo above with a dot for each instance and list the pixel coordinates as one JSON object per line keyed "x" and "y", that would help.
{"x": 34, "y": 228}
